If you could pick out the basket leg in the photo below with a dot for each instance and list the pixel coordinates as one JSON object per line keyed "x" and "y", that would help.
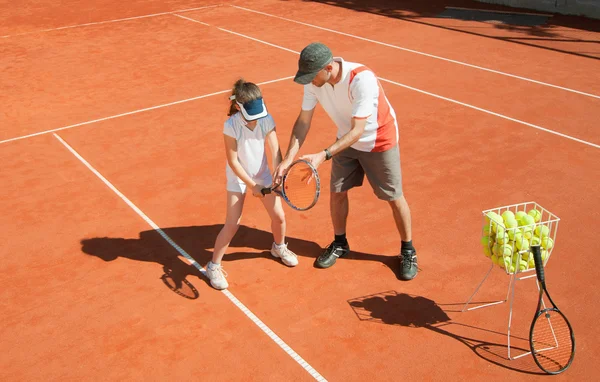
{"x": 477, "y": 290}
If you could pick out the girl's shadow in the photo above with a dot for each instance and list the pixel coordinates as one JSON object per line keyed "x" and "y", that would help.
{"x": 198, "y": 242}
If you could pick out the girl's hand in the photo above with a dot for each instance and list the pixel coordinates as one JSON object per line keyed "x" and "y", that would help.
{"x": 257, "y": 191}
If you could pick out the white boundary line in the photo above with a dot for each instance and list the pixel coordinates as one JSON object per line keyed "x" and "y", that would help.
{"x": 193, "y": 262}
{"x": 422, "y": 53}
{"x": 132, "y": 112}
{"x": 110, "y": 21}
{"x": 439, "y": 96}
{"x": 496, "y": 11}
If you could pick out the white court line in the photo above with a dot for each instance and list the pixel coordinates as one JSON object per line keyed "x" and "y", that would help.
{"x": 110, "y": 21}
{"x": 235, "y": 33}
{"x": 436, "y": 96}
{"x": 193, "y": 262}
{"x": 422, "y": 53}
{"x": 132, "y": 112}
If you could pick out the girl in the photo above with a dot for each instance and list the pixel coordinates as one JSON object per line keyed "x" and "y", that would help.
{"x": 246, "y": 131}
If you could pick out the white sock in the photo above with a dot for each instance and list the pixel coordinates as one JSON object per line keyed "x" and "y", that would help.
{"x": 212, "y": 266}
{"x": 279, "y": 246}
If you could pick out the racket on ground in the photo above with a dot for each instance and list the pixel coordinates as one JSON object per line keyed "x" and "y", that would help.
{"x": 551, "y": 336}
{"x": 300, "y": 186}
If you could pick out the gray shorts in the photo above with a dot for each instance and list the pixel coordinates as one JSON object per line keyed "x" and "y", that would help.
{"x": 382, "y": 169}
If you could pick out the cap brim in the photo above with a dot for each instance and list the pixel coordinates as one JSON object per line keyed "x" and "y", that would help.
{"x": 304, "y": 78}
{"x": 253, "y": 110}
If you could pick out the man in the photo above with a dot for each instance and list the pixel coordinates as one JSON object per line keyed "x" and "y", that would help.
{"x": 367, "y": 144}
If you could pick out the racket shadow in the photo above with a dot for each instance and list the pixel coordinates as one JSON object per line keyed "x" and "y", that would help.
{"x": 392, "y": 308}
{"x": 197, "y": 241}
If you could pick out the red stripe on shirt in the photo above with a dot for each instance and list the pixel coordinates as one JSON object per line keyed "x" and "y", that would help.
{"x": 386, "y": 124}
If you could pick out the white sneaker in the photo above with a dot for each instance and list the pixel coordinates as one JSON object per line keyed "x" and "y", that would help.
{"x": 217, "y": 277}
{"x": 288, "y": 257}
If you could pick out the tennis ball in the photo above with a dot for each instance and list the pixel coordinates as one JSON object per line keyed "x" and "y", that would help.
{"x": 547, "y": 243}
{"x": 508, "y": 215}
{"x": 535, "y": 214}
{"x": 523, "y": 265}
{"x": 511, "y": 223}
{"x": 495, "y": 220}
{"x": 522, "y": 245}
{"x": 527, "y": 220}
{"x": 494, "y": 259}
{"x": 506, "y": 264}
{"x": 531, "y": 262}
{"x": 502, "y": 238}
{"x": 519, "y": 215}
{"x": 486, "y": 230}
{"x": 511, "y": 269}
{"x": 535, "y": 240}
{"x": 517, "y": 235}
{"x": 544, "y": 255}
{"x": 527, "y": 232}
{"x": 542, "y": 231}
{"x": 505, "y": 250}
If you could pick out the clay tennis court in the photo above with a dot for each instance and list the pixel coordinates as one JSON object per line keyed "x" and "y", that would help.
{"x": 113, "y": 191}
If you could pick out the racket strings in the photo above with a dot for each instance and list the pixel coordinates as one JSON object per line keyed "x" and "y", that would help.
{"x": 552, "y": 341}
{"x": 301, "y": 186}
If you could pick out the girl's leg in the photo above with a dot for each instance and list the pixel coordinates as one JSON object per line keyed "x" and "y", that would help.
{"x": 273, "y": 206}
{"x": 235, "y": 204}
{"x": 279, "y": 248}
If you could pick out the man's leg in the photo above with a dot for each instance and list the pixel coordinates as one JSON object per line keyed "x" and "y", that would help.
{"x": 384, "y": 174}
{"x": 345, "y": 174}
{"x": 401, "y": 213}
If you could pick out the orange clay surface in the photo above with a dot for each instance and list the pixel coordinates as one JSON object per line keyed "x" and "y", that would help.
{"x": 91, "y": 291}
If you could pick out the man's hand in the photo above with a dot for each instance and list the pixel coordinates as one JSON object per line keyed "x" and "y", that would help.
{"x": 280, "y": 172}
{"x": 315, "y": 159}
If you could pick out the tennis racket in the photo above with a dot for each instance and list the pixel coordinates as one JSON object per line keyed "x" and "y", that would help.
{"x": 551, "y": 336}
{"x": 300, "y": 186}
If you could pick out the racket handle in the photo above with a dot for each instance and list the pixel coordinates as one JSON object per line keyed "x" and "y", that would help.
{"x": 536, "y": 251}
{"x": 266, "y": 191}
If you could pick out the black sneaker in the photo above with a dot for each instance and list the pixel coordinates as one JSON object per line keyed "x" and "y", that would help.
{"x": 408, "y": 264}
{"x": 331, "y": 254}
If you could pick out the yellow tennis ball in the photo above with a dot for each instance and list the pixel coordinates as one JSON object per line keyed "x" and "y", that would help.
{"x": 494, "y": 219}
{"x": 531, "y": 262}
{"x": 536, "y": 214}
{"x": 544, "y": 255}
{"x": 527, "y": 232}
{"x": 511, "y": 269}
{"x": 527, "y": 220}
{"x": 517, "y": 235}
{"x": 511, "y": 223}
{"x": 542, "y": 231}
{"x": 494, "y": 259}
{"x": 486, "y": 231}
{"x": 519, "y": 215}
{"x": 535, "y": 240}
{"x": 508, "y": 215}
{"x": 523, "y": 265}
{"x": 502, "y": 237}
{"x": 547, "y": 243}
{"x": 505, "y": 250}
{"x": 522, "y": 245}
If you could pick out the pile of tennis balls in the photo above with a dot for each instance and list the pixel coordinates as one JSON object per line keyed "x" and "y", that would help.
{"x": 507, "y": 238}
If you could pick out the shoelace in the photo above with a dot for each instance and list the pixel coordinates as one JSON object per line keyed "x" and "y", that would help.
{"x": 221, "y": 271}
{"x": 407, "y": 259}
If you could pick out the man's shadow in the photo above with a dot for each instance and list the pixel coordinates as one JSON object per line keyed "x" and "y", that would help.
{"x": 402, "y": 309}
{"x": 197, "y": 242}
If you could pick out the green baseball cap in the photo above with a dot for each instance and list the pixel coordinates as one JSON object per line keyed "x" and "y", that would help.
{"x": 313, "y": 58}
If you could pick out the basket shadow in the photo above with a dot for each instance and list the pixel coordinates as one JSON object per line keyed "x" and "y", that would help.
{"x": 392, "y": 308}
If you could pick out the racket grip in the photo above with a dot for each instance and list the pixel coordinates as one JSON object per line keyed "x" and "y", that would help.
{"x": 265, "y": 191}
{"x": 536, "y": 251}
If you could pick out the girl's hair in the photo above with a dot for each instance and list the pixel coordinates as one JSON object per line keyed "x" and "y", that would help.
{"x": 243, "y": 92}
